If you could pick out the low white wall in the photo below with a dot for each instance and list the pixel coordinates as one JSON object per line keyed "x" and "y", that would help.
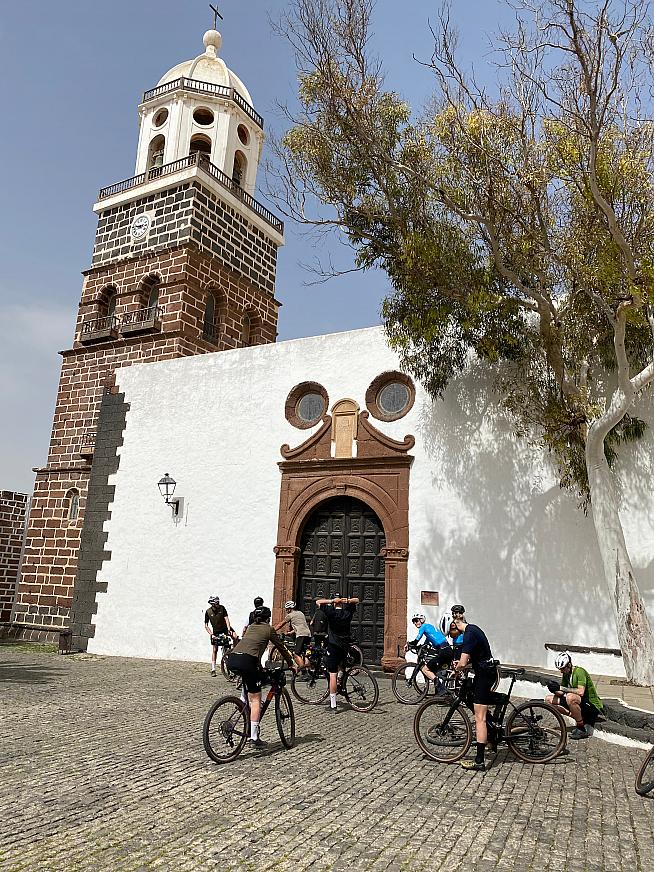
{"x": 489, "y": 527}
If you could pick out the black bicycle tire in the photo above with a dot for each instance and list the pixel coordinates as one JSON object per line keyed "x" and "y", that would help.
{"x": 513, "y": 742}
{"x": 399, "y": 674}
{"x": 206, "y": 740}
{"x": 296, "y": 681}
{"x": 351, "y": 673}
{"x": 429, "y": 749}
{"x": 224, "y": 668}
{"x": 357, "y": 660}
{"x": 645, "y": 787}
{"x": 284, "y": 694}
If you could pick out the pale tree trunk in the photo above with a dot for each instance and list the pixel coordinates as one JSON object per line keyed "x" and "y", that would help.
{"x": 634, "y": 629}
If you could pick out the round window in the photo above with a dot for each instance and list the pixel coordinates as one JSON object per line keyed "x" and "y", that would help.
{"x": 310, "y": 408}
{"x": 390, "y": 396}
{"x": 306, "y": 405}
{"x": 160, "y": 118}
{"x": 393, "y": 398}
{"x": 243, "y": 134}
{"x": 203, "y": 116}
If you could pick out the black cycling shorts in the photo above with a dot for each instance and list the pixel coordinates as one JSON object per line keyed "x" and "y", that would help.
{"x": 482, "y": 685}
{"x": 588, "y": 711}
{"x": 442, "y": 658}
{"x": 249, "y": 668}
{"x": 335, "y": 658}
{"x": 301, "y": 644}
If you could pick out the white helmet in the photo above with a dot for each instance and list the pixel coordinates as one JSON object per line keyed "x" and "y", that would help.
{"x": 289, "y": 604}
{"x": 562, "y": 660}
{"x": 418, "y": 617}
{"x": 445, "y": 623}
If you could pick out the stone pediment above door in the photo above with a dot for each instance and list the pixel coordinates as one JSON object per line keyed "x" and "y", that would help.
{"x": 340, "y": 432}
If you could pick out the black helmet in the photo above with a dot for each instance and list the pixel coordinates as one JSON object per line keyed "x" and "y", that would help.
{"x": 458, "y": 610}
{"x": 258, "y": 602}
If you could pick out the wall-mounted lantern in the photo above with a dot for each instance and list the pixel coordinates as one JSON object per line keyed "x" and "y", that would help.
{"x": 167, "y": 487}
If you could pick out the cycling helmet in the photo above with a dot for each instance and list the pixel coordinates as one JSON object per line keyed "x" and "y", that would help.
{"x": 289, "y": 605}
{"x": 562, "y": 660}
{"x": 214, "y": 600}
{"x": 445, "y": 623}
{"x": 458, "y": 610}
{"x": 336, "y": 595}
{"x": 418, "y": 617}
{"x": 258, "y": 602}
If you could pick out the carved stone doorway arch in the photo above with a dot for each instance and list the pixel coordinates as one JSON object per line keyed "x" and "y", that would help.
{"x": 379, "y": 477}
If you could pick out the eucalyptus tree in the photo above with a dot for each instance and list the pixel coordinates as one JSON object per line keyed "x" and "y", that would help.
{"x": 515, "y": 223}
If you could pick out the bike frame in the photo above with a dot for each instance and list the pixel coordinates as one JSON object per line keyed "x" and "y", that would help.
{"x": 499, "y": 713}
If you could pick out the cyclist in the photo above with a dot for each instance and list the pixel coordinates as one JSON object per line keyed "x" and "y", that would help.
{"x": 339, "y": 612}
{"x": 216, "y": 623}
{"x": 577, "y": 697}
{"x": 258, "y": 604}
{"x": 298, "y": 624}
{"x": 245, "y": 660}
{"x": 476, "y": 652}
{"x": 437, "y": 639}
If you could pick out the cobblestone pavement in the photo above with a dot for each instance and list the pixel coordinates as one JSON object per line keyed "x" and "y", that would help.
{"x": 102, "y": 767}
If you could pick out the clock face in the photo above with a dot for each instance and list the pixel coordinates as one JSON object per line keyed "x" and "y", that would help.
{"x": 140, "y": 226}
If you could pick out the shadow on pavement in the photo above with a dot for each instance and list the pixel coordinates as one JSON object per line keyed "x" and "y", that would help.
{"x": 20, "y": 673}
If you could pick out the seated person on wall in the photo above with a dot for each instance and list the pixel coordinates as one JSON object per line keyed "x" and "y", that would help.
{"x": 298, "y": 623}
{"x": 575, "y": 696}
{"x": 437, "y": 639}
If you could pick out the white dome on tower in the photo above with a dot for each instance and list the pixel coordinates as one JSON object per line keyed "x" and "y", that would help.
{"x": 208, "y": 67}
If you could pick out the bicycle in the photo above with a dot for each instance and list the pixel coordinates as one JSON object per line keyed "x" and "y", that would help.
{"x": 410, "y": 685}
{"x": 645, "y": 777}
{"x": 226, "y": 727}
{"x": 226, "y": 642}
{"x": 354, "y": 653}
{"x": 533, "y": 730}
{"x": 356, "y": 683}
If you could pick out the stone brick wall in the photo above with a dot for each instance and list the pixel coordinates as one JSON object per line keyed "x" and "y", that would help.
{"x": 13, "y": 511}
{"x": 191, "y": 212}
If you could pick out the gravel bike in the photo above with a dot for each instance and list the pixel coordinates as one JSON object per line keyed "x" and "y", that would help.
{"x": 227, "y": 724}
{"x": 410, "y": 685}
{"x": 533, "y": 730}
{"x": 645, "y": 776}
{"x": 226, "y": 642}
{"x": 356, "y": 683}
{"x": 318, "y": 642}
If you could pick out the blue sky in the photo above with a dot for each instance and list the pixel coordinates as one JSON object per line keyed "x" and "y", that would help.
{"x": 73, "y": 73}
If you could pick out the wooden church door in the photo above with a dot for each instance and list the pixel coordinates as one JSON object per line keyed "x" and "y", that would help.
{"x": 340, "y": 552}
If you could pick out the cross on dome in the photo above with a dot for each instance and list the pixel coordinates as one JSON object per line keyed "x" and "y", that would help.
{"x": 216, "y": 16}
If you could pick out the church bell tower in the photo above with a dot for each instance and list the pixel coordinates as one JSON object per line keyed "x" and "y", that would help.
{"x": 184, "y": 263}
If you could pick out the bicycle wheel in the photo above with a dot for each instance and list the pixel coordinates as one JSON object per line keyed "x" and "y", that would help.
{"x": 536, "y": 732}
{"x": 360, "y": 689}
{"x": 285, "y": 717}
{"x": 409, "y": 688}
{"x": 310, "y": 686}
{"x": 354, "y": 656}
{"x": 443, "y": 733}
{"x": 224, "y": 668}
{"x": 226, "y": 729}
{"x": 645, "y": 777}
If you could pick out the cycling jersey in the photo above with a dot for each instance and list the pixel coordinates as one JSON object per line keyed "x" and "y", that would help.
{"x": 216, "y": 617}
{"x": 579, "y": 677}
{"x": 434, "y": 636}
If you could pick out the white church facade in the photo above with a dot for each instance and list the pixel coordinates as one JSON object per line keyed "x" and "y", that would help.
{"x": 481, "y": 520}
{"x": 302, "y": 468}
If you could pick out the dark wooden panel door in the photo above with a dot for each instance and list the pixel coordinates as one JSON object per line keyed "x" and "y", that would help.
{"x": 340, "y": 547}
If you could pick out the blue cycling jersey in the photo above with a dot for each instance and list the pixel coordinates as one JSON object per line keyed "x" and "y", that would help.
{"x": 433, "y": 635}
